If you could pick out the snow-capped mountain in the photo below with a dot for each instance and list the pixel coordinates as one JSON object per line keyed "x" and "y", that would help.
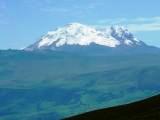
{"x": 84, "y": 35}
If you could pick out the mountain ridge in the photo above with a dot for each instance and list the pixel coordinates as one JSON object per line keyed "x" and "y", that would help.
{"x": 76, "y": 34}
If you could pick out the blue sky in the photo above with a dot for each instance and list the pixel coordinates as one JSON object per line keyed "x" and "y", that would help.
{"x": 23, "y": 22}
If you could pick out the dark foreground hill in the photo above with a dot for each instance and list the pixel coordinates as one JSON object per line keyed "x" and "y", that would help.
{"x": 148, "y": 109}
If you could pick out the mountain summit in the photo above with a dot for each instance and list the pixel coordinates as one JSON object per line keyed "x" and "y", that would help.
{"x": 76, "y": 34}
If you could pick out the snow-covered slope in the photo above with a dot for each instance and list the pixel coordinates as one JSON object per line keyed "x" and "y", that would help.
{"x": 84, "y": 35}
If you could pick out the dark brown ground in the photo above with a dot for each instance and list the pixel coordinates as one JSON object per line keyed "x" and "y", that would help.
{"x": 148, "y": 109}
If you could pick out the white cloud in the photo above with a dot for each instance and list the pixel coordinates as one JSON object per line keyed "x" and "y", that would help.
{"x": 111, "y": 21}
{"x": 135, "y": 25}
{"x": 144, "y": 27}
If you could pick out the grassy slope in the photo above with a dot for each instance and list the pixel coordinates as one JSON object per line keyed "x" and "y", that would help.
{"x": 56, "y": 85}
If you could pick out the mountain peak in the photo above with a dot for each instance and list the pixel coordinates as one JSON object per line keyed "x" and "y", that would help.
{"x": 124, "y": 36}
{"x": 85, "y": 35}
